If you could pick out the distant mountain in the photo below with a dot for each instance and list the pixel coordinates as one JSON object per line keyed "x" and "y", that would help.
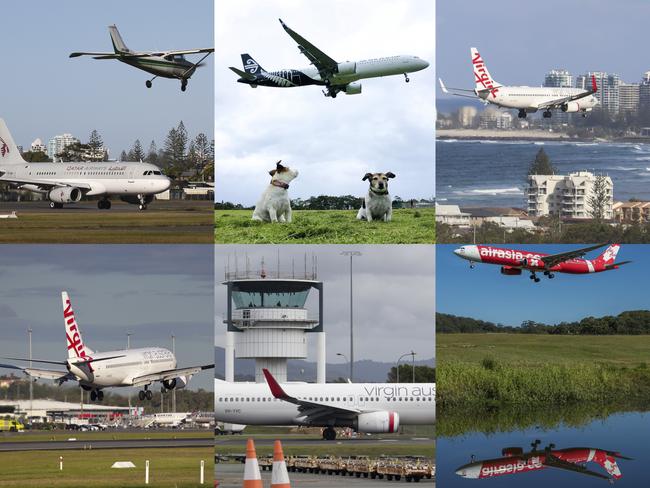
{"x": 299, "y": 370}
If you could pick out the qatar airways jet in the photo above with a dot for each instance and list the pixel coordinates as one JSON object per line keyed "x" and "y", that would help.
{"x": 135, "y": 183}
{"x": 526, "y": 99}
{"x": 97, "y": 370}
{"x": 364, "y": 407}
{"x": 514, "y": 262}
{"x": 334, "y": 76}
{"x": 515, "y": 461}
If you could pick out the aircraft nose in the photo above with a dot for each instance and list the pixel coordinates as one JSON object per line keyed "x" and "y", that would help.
{"x": 469, "y": 471}
{"x": 165, "y": 184}
{"x": 459, "y": 252}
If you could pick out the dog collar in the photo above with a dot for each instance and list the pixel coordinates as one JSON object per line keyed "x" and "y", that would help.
{"x": 280, "y": 184}
{"x": 379, "y": 192}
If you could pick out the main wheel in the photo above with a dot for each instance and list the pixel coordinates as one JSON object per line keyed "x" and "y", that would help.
{"x": 142, "y": 207}
{"x": 148, "y": 83}
{"x": 148, "y": 394}
{"x": 408, "y": 79}
{"x": 537, "y": 280}
{"x": 100, "y": 395}
{"x": 93, "y": 396}
{"x": 522, "y": 114}
{"x": 329, "y": 434}
{"x": 141, "y": 395}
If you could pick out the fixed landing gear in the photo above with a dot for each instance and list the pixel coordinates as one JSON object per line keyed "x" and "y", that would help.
{"x": 547, "y": 114}
{"x": 183, "y": 84}
{"x": 146, "y": 393}
{"x": 148, "y": 82}
{"x": 406, "y": 77}
{"x": 329, "y": 434}
{"x": 522, "y": 114}
{"x": 534, "y": 277}
{"x": 104, "y": 204}
{"x": 56, "y": 205}
{"x": 97, "y": 395}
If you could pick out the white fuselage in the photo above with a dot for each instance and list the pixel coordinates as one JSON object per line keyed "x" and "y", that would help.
{"x": 373, "y": 68}
{"x": 121, "y": 371}
{"x": 530, "y": 98}
{"x": 253, "y": 403}
{"x": 112, "y": 178}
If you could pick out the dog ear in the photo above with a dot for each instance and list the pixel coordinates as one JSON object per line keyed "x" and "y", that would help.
{"x": 279, "y": 167}
{"x": 389, "y": 175}
{"x": 272, "y": 172}
{"x": 367, "y": 176}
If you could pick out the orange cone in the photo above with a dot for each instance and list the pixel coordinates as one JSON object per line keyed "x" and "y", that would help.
{"x": 252, "y": 477}
{"x": 279, "y": 477}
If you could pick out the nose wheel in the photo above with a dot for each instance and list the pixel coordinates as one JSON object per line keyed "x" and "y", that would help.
{"x": 406, "y": 78}
{"x": 183, "y": 85}
{"x": 471, "y": 265}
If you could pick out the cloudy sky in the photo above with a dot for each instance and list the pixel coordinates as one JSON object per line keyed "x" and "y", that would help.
{"x": 153, "y": 292}
{"x": 45, "y": 93}
{"x": 393, "y": 296}
{"x": 332, "y": 142}
{"x": 521, "y": 41}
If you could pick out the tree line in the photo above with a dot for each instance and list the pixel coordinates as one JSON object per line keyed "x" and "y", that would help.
{"x": 324, "y": 202}
{"x": 633, "y": 322}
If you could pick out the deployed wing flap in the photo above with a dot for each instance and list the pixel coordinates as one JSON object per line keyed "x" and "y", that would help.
{"x": 325, "y": 65}
{"x": 49, "y": 374}
{"x": 169, "y": 374}
{"x": 554, "y": 259}
{"x": 555, "y": 462}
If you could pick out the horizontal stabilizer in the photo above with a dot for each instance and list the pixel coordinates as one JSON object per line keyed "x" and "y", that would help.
{"x": 242, "y": 74}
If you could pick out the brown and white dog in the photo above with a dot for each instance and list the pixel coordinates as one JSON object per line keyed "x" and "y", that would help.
{"x": 377, "y": 204}
{"x": 274, "y": 204}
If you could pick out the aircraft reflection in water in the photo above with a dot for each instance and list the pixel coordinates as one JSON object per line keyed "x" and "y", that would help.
{"x": 515, "y": 461}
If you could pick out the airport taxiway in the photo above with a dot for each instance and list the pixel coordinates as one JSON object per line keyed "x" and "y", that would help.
{"x": 80, "y": 444}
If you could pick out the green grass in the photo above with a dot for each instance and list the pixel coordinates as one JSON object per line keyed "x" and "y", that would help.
{"x": 168, "y": 468}
{"x": 62, "y": 435}
{"x": 409, "y": 226}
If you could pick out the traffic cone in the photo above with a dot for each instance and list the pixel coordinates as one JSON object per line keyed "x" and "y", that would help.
{"x": 252, "y": 477}
{"x": 279, "y": 477}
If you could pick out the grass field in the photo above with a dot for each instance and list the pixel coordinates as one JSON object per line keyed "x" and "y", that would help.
{"x": 537, "y": 370}
{"x": 168, "y": 468}
{"x": 409, "y": 226}
{"x": 62, "y": 435}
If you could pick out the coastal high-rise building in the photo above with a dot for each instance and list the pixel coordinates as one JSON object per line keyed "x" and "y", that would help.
{"x": 628, "y": 98}
{"x": 567, "y": 196}
{"x": 608, "y": 89}
{"x": 467, "y": 116}
{"x": 59, "y": 143}
{"x": 493, "y": 118}
{"x": 644, "y": 92}
{"x": 558, "y": 78}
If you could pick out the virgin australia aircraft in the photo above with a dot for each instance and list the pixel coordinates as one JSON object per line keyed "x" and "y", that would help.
{"x": 167, "y": 64}
{"x": 97, "y": 370}
{"x": 135, "y": 183}
{"x": 334, "y": 76}
{"x": 525, "y": 99}
{"x": 364, "y": 407}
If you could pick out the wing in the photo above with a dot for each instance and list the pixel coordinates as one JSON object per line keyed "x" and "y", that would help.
{"x": 554, "y": 259}
{"x": 59, "y": 376}
{"x": 464, "y": 92}
{"x": 187, "y": 51}
{"x": 554, "y": 462}
{"x": 169, "y": 374}
{"x": 45, "y": 183}
{"x": 325, "y": 65}
{"x": 561, "y": 101}
{"x": 313, "y": 410}
{"x": 76, "y": 55}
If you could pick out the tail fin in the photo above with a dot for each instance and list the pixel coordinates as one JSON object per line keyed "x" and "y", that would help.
{"x": 76, "y": 346}
{"x": 9, "y": 153}
{"x": 482, "y": 78}
{"x": 250, "y": 65}
{"x": 608, "y": 461}
{"x": 118, "y": 43}
{"x": 608, "y": 257}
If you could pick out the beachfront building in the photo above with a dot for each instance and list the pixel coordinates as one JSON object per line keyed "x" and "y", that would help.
{"x": 59, "y": 143}
{"x": 452, "y": 215}
{"x": 558, "y": 78}
{"x": 632, "y": 212}
{"x": 566, "y": 196}
{"x": 493, "y": 118}
{"x": 608, "y": 89}
{"x": 628, "y": 97}
{"x": 467, "y": 116}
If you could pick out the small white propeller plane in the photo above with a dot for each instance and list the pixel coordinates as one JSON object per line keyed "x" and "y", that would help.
{"x": 525, "y": 99}
{"x": 97, "y": 370}
{"x": 334, "y": 76}
{"x": 167, "y": 64}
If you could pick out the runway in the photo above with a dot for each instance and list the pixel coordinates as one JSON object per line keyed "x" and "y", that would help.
{"x": 117, "y": 206}
{"x": 300, "y": 440}
{"x": 106, "y": 444}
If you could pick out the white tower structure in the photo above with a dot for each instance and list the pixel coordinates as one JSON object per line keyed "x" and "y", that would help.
{"x": 268, "y": 321}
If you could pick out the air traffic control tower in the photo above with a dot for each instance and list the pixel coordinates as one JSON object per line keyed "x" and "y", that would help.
{"x": 268, "y": 321}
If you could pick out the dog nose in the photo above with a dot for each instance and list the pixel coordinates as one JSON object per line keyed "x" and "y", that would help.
{"x": 381, "y": 186}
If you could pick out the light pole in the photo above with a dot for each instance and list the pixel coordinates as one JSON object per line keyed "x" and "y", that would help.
{"x": 174, "y": 390}
{"x": 31, "y": 383}
{"x": 351, "y": 254}
{"x": 412, "y": 354}
{"x": 128, "y": 340}
{"x": 343, "y": 356}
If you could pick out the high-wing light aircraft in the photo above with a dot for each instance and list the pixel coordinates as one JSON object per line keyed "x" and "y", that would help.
{"x": 526, "y": 99}
{"x": 167, "y": 64}
{"x": 515, "y": 461}
{"x": 97, "y": 370}
{"x": 514, "y": 262}
{"x": 334, "y": 76}
{"x": 364, "y": 407}
{"x": 135, "y": 183}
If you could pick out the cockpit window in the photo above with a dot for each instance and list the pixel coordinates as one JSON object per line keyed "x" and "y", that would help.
{"x": 157, "y": 172}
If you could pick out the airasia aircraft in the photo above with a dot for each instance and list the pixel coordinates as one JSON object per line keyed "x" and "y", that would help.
{"x": 513, "y": 262}
{"x": 516, "y": 461}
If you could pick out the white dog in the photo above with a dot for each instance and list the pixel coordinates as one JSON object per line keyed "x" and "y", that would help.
{"x": 274, "y": 204}
{"x": 377, "y": 205}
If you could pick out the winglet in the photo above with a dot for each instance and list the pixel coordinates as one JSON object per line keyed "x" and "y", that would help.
{"x": 276, "y": 389}
{"x": 594, "y": 86}
{"x": 442, "y": 86}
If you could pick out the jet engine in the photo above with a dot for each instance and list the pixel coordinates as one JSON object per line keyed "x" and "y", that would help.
{"x": 377, "y": 422}
{"x": 64, "y": 194}
{"x": 347, "y": 68}
{"x": 177, "y": 383}
{"x": 512, "y": 451}
{"x": 353, "y": 88}
{"x": 510, "y": 271}
{"x": 571, "y": 107}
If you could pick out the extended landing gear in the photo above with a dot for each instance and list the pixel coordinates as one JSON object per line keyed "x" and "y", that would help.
{"x": 329, "y": 434}
{"x": 148, "y": 82}
{"x": 522, "y": 114}
{"x": 97, "y": 395}
{"x": 471, "y": 265}
{"x": 547, "y": 114}
{"x": 104, "y": 204}
{"x": 56, "y": 205}
{"x": 549, "y": 275}
{"x": 534, "y": 277}
{"x": 143, "y": 202}
{"x": 183, "y": 84}
{"x": 146, "y": 393}
{"x": 406, "y": 77}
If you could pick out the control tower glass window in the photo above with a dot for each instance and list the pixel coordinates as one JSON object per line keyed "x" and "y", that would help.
{"x": 259, "y": 299}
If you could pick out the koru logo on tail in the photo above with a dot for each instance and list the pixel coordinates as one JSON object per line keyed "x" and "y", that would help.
{"x": 4, "y": 148}
{"x": 251, "y": 66}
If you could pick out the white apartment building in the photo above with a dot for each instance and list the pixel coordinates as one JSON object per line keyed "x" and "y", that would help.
{"x": 565, "y": 195}
{"x": 59, "y": 143}
{"x": 628, "y": 96}
{"x": 38, "y": 146}
{"x": 467, "y": 116}
{"x": 608, "y": 89}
